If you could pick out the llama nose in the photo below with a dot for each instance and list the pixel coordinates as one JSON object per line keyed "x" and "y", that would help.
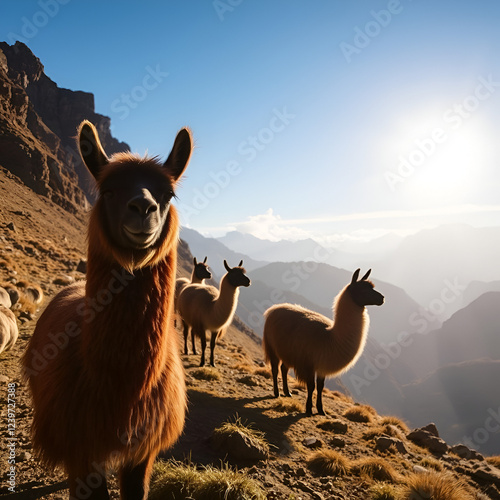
{"x": 143, "y": 203}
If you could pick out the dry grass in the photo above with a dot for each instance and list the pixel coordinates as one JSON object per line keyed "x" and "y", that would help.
{"x": 288, "y": 405}
{"x": 376, "y": 468}
{"x": 329, "y": 463}
{"x": 435, "y": 486}
{"x": 177, "y": 480}
{"x": 387, "y": 430}
{"x": 383, "y": 491}
{"x": 431, "y": 463}
{"x": 360, "y": 413}
{"x": 206, "y": 373}
{"x": 341, "y": 396}
{"x": 243, "y": 367}
{"x": 236, "y": 426}
{"x": 263, "y": 372}
{"x": 397, "y": 422}
{"x": 335, "y": 426}
{"x": 495, "y": 461}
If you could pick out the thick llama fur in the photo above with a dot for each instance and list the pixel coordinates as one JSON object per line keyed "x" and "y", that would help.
{"x": 204, "y": 307}
{"x": 5, "y": 299}
{"x": 201, "y": 272}
{"x": 8, "y": 328}
{"x": 316, "y": 346}
{"x": 104, "y": 364}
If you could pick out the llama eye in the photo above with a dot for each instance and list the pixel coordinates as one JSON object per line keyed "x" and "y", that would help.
{"x": 107, "y": 193}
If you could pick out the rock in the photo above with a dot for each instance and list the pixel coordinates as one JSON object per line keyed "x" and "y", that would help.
{"x": 23, "y": 456}
{"x": 383, "y": 443}
{"x": 431, "y": 428}
{"x": 337, "y": 442}
{"x": 239, "y": 445}
{"x": 11, "y": 226}
{"x": 82, "y": 266}
{"x": 300, "y": 472}
{"x": 305, "y": 487}
{"x": 467, "y": 453}
{"x": 4, "y": 379}
{"x": 428, "y": 439}
{"x": 312, "y": 442}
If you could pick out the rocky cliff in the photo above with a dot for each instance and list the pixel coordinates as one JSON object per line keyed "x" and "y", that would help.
{"x": 38, "y": 123}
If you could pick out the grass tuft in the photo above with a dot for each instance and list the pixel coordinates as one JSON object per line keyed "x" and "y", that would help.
{"x": 495, "y": 461}
{"x": 383, "y": 491}
{"x": 335, "y": 426}
{"x": 173, "y": 479}
{"x": 206, "y": 373}
{"x": 376, "y": 468}
{"x": 431, "y": 463}
{"x": 288, "y": 405}
{"x": 360, "y": 413}
{"x": 438, "y": 486}
{"x": 263, "y": 372}
{"x": 397, "y": 422}
{"x": 329, "y": 463}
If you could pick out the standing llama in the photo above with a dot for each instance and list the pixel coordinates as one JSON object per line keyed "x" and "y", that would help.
{"x": 8, "y": 328}
{"x": 201, "y": 272}
{"x": 104, "y": 364}
{"x": 205, "y": 308}
{"x": 314, "y": 345}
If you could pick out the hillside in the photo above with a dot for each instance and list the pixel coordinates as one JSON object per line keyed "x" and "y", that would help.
{"x": 239, "y": 387}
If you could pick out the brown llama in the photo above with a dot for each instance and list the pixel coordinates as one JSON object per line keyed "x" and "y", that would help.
{"x": 201, "y": 272}
{"x": 203, "y": 307}
{"x": 314, "y": 345}
{"x": 103, "y": 364}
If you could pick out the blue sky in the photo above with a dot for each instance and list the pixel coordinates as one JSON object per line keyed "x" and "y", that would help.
{"x": 327, "y": 118}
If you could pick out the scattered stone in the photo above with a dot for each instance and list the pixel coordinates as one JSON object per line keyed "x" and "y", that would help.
{"x": 305, "y": 487}
{"x": 249, "y": 380}
{"x": 383, "y": 443}
{"x": 418, "y": 469}
{"x": 286, "y": 467}
{"x": 337, "y": 442}
{"x": 26, "y": 315}
{"x": 467, "y": 453}
{"x": 336, "y": 426}
{"x": 312, "y": 442}
{"x": 426, "y": 437}
{"x": 11, "y": 226}
{"x": 23, "y": 456}
{"x": 300, "y": 472}
{"x": 4, "y": 379}
{"x": 64, "y": 280}
{"x": 82, "y": 266}
{"x": 431, "y": 428}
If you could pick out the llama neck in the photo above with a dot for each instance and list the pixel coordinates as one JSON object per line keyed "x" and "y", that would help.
{"x": 126, "y": 321}
{"x": 348, "y": 332}
{"x": 195, "y": 279}
{"x": 225, "y": 305}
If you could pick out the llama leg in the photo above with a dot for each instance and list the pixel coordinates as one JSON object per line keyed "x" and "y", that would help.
{"x": 284, "y": 376}
{"x": 186, "y": 334}
{"x": 88, "y": 486}
{"x": 134, "y": 480}
{"x": 310, "y": 390}
{"x": 193, "y": 343}
{"x": 320, "y": 383}
{"x": 203, "y": 339}
{"x": 274, "y": 369}
{"x": 212, "y": 347}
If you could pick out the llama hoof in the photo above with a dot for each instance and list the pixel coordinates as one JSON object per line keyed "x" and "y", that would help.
{"x": 322, "y": 412}
{"x": 212, "y": 364}
{"x": 309, "y": 413}
{"x": 287, "y": 395}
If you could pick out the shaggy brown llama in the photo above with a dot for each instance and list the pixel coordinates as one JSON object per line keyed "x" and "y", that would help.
{"x": 314, "y": 345}
{"x": 201, "y": 272}
{"x": 104, "y": 364}
{"x": 203, "y": 307}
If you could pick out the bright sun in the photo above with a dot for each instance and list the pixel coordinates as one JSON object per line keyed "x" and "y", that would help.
{"x": 442, "y": 165}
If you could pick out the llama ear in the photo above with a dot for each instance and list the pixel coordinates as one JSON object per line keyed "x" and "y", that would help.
{"x": 226, "y": 266}
{"x": 90, "y": 148}
{"x": 205, "y": 260}
{"x": 365, "y": 277}
{"x": 241, "y": 263}
{"x": 179, "y": 156}
{"x": 195, "y": 261}
{"x": 355, "y": 276}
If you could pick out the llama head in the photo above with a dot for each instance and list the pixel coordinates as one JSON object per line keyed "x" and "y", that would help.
{"x": 363, "y": 291}
{"x": 236, "y": 275}
{"x": 201, "y": 269}
{"x": 133, "y": 213}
